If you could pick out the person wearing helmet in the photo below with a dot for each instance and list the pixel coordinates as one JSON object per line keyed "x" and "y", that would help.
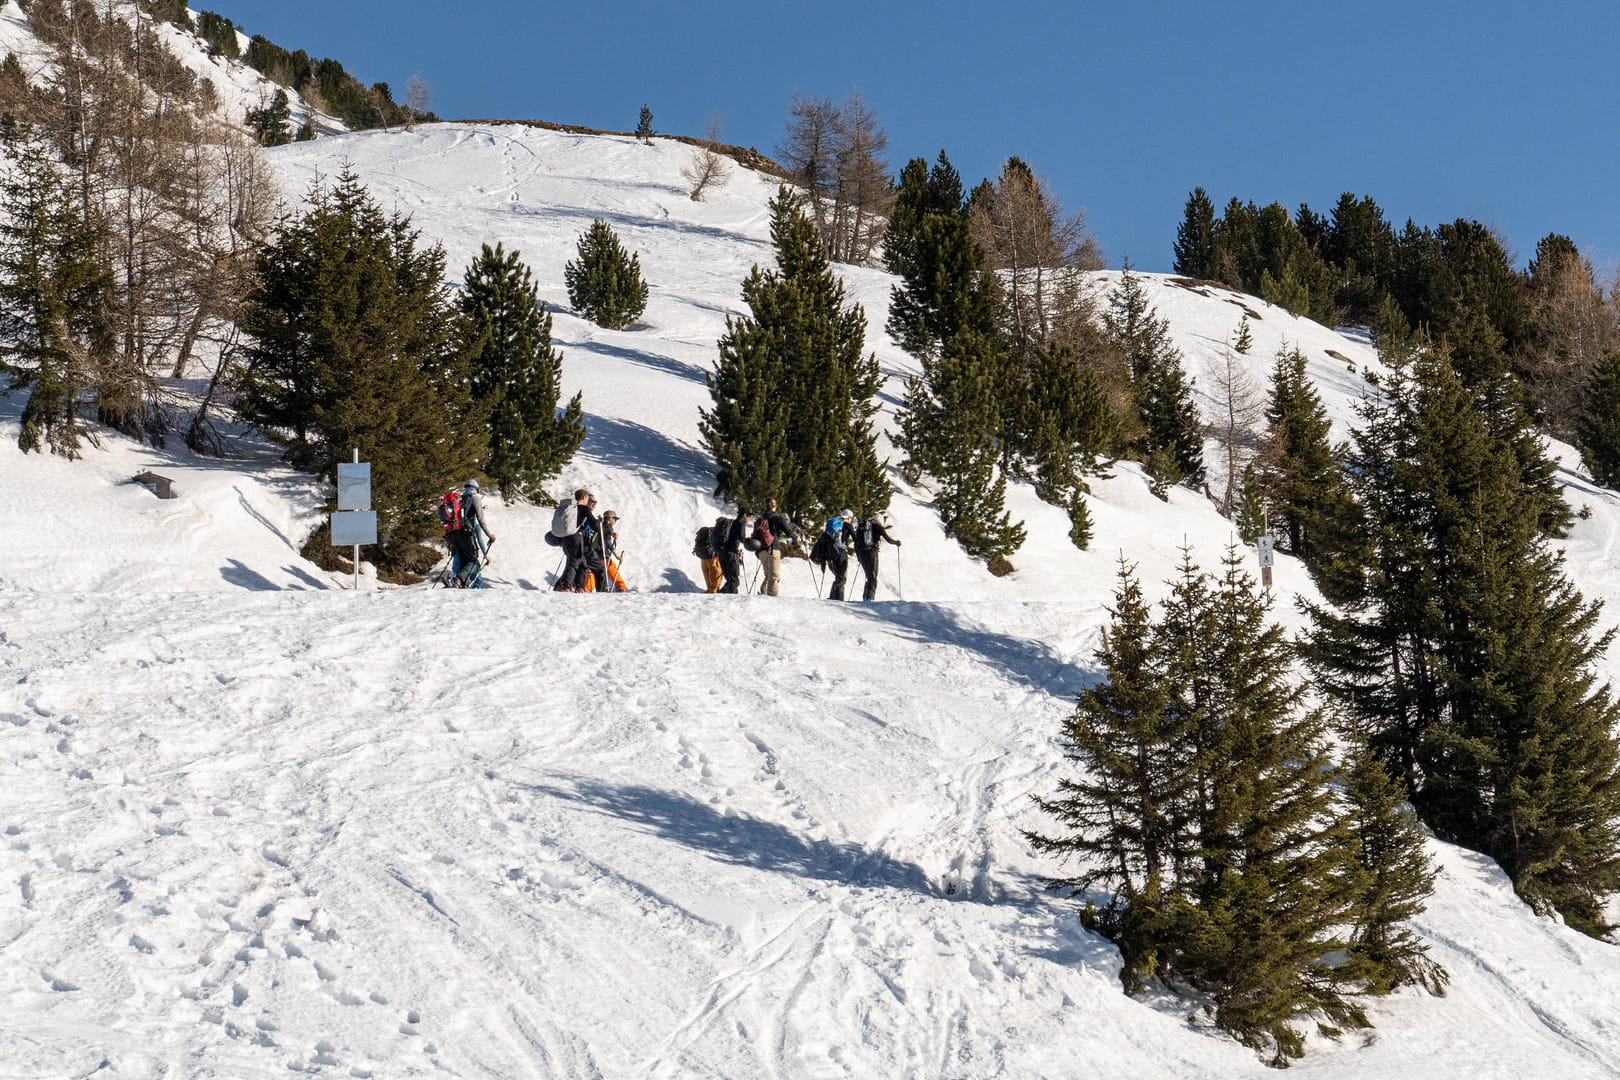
{"x": 830, "y": 553}
{"x": 472, "y": 540}
{"x": 868, "y": 536}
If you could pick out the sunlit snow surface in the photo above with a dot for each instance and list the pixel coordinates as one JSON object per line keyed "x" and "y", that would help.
{"x": 251, "y": 823}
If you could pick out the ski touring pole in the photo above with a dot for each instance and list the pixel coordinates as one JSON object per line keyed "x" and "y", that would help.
{"x": 899, "y": 578}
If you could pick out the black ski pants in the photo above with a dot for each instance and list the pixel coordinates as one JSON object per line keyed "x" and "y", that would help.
{"x": 869, "y": 566}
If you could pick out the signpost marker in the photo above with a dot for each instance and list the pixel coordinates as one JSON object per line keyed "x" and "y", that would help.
{"x": 354, "y": 522}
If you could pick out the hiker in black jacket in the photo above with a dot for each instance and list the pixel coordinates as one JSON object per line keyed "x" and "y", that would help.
{"x": 868, "y": 536}
{"x": 595, "y": 550}
{"x": 731, "y": 550}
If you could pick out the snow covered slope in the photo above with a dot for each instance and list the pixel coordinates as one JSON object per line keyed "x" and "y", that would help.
{"x": 251, "y": 824}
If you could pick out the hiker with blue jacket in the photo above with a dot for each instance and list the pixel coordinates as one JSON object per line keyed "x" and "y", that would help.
{"x": 830, "y": 554}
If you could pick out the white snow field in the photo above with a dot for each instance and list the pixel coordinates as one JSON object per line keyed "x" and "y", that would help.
{"x": 252, "y": 823}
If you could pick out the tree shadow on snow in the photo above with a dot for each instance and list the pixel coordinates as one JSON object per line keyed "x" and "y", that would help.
{"x": 652, "y": 361}
{"x": 1029, "y": 662}
{"x": 742, "y": 840}
{"x": 643, "y": 450}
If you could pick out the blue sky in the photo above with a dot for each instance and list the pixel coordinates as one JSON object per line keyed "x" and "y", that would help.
{"x": 1504, "y": 112}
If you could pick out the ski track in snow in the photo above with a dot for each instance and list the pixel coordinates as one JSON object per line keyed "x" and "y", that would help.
{"x": 250, "y": 825}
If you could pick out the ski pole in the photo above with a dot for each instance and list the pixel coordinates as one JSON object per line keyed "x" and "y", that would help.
{"x": 436, "y": 575}
{"x": 899, "y": 578}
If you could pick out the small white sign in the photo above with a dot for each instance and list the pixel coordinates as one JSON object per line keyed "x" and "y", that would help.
{"x": 1266, "y": 544}
{"x": 350, "y": 527}
{"x": 354, "y": 486}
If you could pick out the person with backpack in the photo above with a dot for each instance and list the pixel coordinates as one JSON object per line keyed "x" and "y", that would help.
{"x": 867, "y": 538}
{"x": 467, "y": 535}
{"x": 774, "y": 532}
{"x": 591, "y": 537}
{"x": 565, "y": 522}
{"x": 735, "y": 531}
{"x": 829, "y": 552}
{"x": 708, "y": 554}
{"x": 611, "y": 555}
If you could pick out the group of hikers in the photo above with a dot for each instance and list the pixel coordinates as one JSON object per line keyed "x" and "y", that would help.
{"x": 592, "y": 558}
{"x": 770, "y": 536}
{"x": 590, "y": 542}
{"x": 590, "y": 545}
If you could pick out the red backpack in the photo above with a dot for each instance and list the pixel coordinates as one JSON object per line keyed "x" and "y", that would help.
{"x": 762, "y": 533}
{"x": 450, "y": 511}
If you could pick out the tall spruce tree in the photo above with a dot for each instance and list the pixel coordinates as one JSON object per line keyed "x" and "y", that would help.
{"x": 1195, "y": 237}
{"x": 1120, "y": 804}
{"x": 516, "y": 375}
{"x": 793, "y": 389}
{"x": 1467, "y": 657}
{"x": 1263, "y": 893}
{"x": 1307, "y": 497}
{"x": 54, "y": 294}
{"x": 604, "y": 282}
{"x": 1600, "y": 422}
{"x": 1203, "y": 809}
{"x": 351, "y": 349}
{"x": 1170, "y": 423}
{"x": 1390, "y": 881}
{"x": 1479, "y": 355}
{"x": 944, "y": 434}
{"x": 944, "y": 312}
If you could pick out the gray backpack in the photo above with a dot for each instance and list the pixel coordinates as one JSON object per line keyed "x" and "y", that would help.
{"x": 565, "y": 522}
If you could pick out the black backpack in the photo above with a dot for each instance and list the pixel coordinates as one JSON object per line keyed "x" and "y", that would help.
{"x": 721, "y": 534}
{"x": 703, "y": 544}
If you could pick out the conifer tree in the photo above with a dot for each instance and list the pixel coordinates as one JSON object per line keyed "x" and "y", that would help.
{"x": 944, "y": 288}
{"x": 352, "y": 349}
{"x": 516, "y": 375}
{"x": 1163, "y": 394}
{"x": 1251, "y": 510}
{"x": 54, "y": 293}
{"x": 1120, "y": 803}
{"x": 944, "y": 433}
{"x": 1243, "y": 340}
{"x": 269, "y": 121}
{"x": 953, "y": 425}
{"x": 644, "y": 128}
{"x": 1600, "y": 423}
{"x": 604, "y": 283}
{"x": 793, "y": 389}
{"x": 1195, "y": 238}
{"x": 1202, "y": 808}
{"x": 1073, "y": 427}
{"x": 1467, "y": 657}
{"x": 1390, "y": 882}
{"x": 1307, "y": 497}
{"x": 1479, "y": 355}
{"x": 1264, "y": 894}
